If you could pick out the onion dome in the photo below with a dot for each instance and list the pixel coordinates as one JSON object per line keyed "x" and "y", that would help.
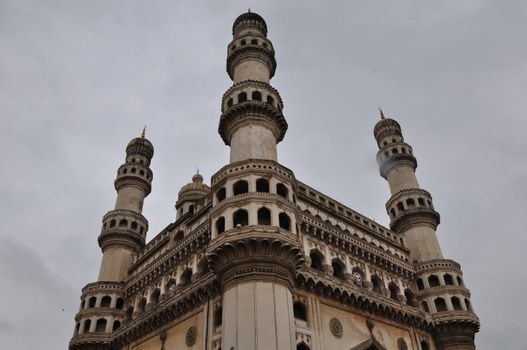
{"x": 249, "y": 20}
{"x": 140, "y": 146}
{"x": 386, "y": 127}
{"x": 193, "y": 191}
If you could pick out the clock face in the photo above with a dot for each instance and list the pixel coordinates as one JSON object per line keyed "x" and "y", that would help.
{"x": 357, "y": 276}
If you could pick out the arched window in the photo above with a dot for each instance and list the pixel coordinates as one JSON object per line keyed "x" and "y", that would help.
{"x": 242, "y": 97}
{"x": 317, "y": 260}
{"x": 191, "y": 209}
{"x": 467, "y": 305}
{"x": 203, "y": 266}
{"x": 77, "y": 328}
{"x": 300, "y": 311}
{"x": 218, "y": 317}
{"x": 424, "y": 306}
{"x": 220, "y": 225}
{"x": 421, "y": 202}
{"x": 119, "y": 305}
{"x": 392, "y": 212}
{"x": 270, "y": 100}
{"x": 302, "y": 346}
{"x": 410, "y": 298}
{"x": 185, "y": 277}
{"x": 377, "y": 284}
{"x": 256, "y": 96}
{"x": 410, "y": 203}
{"x": 142, "y": 305}
{"x": 243, "y": 42}
{"x": 460, "y": 281}
{"x": 394, "y": 291}
{"x": 221, "y": 194}
{"x": 106, "y": 301}
{"x": 116, "y": 325}
{"x": 100, "y": 326}
{"x": 264, "y": 216}
{"x": 254, "y": 42}
{"x": 92, "y": 301}
{"x": 179, "y": 236}
{"x": 82, "y": 304}
{"x": 133, "y": 226}
{"x": 240, "y": 187}
{"x": 284, "y": 221}
{"x": 123, "y": 223}
{"x": 240, "y": 218}
{"x": 440, "y": 304}
{"x": 449, "y": 281}
{"x": 338, "y": 268}
{"x": 456, "y": 303}
{"x": 400, "y": 206}
{"x": 87, "y": 325}
{"x": 154, "y": 298}
{"x": 129, "y": 313}
{"x": 282, "y": 190}
{"x": 262, "y": 185}
{"x": 433, "y": 281}
{"x": 230, "y": 102}
{"x": 420, "y": 284}
{"x": 424, "y": 345}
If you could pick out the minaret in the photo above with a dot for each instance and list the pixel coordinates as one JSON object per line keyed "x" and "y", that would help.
{"x": 410, "y": 208}
{"x": 254, "y": 249}
{"x": 123, "y": 235}
{"x": 251, "y": 122}
{"x": 439, "y": 281}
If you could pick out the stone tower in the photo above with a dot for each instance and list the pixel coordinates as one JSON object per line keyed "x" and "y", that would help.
{"x": 122, "y": 235}
{"x": 259, "y": 260}
{"x": 412, "y": 214}
{"x": 254, "y": 248}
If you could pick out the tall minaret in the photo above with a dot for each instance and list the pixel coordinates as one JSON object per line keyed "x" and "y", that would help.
{"x": 410, "y": 208}
{"x": 123, "y": 235}
{"x": 251, "y": 122}
{"x": 254, "y": 249}
{"x": 440, "y": 287}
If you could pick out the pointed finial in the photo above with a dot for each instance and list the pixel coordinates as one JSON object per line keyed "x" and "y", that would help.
{"x": 382, "y": 114}
{"x": 249, "y": 9}
{"x": 197, "y": 170}
{"x": 143, "y": 133}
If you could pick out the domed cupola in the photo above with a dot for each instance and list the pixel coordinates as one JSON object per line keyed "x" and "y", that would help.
{"x": 190, "y": 194}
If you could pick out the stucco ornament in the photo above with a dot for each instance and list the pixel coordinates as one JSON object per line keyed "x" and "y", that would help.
{"x": 190, "y": 339}
{"x": 336, "y": 327}
{"x": 402, "y": 344}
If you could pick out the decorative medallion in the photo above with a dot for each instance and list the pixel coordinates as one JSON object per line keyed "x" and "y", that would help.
{"x": 190, "y": 339}
{"x": 402, "y": 344}
{"x": 336, "y": 327}
{"x": 172, "y": 288}
{"x": 357, "y": 276}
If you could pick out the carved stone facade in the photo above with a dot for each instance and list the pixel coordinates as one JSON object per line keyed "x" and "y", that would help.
{"x": 261, "y": 260}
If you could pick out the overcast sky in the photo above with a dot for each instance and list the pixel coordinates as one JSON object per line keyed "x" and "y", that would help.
{"x": 79, "y": 79}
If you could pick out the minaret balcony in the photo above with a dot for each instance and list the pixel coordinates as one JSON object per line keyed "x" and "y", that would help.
{"x": 393, "y": 156}
{"x": 251, "y": 90}
{"x": 252, "y": 111}
{"x": 408, "y": 218}
{"x": 123, "y": 227}
{"x": 254, "y": 49}
{"x": 134, "y": 174}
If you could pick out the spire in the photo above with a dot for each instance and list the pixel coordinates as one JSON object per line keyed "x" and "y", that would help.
{"x": 143, "y": 133}
{"x": 382, "y": 114}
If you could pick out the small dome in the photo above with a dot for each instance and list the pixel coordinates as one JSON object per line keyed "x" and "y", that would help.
{"x": 142, "y": 146}
{"x": 386, "y": 126}
{"x": 250, "y": 19}
{"x": 194, "y": 190}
